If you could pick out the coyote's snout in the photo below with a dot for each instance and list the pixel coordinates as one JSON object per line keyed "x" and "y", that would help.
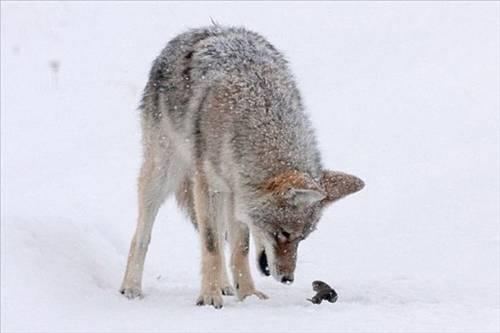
{"x": 225, "y": 131}
{"x": 284, "y": 258}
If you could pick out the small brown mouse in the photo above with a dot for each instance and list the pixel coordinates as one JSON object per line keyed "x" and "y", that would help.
{"x": 323, "y": 292}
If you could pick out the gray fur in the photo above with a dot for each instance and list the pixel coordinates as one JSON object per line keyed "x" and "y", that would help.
{"x": 263, "y": 123}
{"x": 222, "y": 103}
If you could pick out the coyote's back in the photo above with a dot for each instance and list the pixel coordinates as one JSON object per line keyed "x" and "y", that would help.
{"x": 255, "y": 95}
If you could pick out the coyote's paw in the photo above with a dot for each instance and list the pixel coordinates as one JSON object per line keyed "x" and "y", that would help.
{"x": 242, "y": 294}
{"x": 214, "y": 299}
{"x": 227, "y": 291}
{"x": 131, "y": 292}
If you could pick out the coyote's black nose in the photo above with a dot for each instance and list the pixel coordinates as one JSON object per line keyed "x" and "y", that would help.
{"x": 287, "y": 279}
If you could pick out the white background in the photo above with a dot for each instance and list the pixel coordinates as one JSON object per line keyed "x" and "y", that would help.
{"x": 404, "y": 95}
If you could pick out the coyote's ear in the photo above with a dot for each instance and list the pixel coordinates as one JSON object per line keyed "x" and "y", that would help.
{"x": 338, "y": 184}
{"x": 295, "y": 188}
{"x": 303, "y": 197}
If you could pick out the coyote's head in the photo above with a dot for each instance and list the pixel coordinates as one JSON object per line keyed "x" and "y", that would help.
{"x": 289, "y": 207}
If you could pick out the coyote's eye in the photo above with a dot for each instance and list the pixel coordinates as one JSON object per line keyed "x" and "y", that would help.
{"x": 282, "y": 236}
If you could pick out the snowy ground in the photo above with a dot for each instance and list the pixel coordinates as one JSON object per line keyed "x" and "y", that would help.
{"x": 405, "y": 95}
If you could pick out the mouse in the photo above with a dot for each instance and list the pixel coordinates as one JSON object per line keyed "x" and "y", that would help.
{"x": 323, "y": 292}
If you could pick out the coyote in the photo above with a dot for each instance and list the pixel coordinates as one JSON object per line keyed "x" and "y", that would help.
{"x": 224, "y": 129}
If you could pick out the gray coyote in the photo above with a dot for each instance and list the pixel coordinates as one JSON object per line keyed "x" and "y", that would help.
{"x": 224, "y": 129}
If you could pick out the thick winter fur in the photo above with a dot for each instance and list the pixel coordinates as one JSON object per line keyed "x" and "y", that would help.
{"x": 224, "y": 130}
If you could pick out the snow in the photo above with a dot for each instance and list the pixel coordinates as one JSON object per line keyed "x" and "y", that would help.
{"x": 404, "y": 95}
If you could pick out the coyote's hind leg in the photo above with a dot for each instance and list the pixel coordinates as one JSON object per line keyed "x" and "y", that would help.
{"x": 151, "y": 194}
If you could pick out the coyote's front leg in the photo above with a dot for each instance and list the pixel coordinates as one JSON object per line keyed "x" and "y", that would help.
{"x": 211, "y": 260}
{"x": 239, "y": 239}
